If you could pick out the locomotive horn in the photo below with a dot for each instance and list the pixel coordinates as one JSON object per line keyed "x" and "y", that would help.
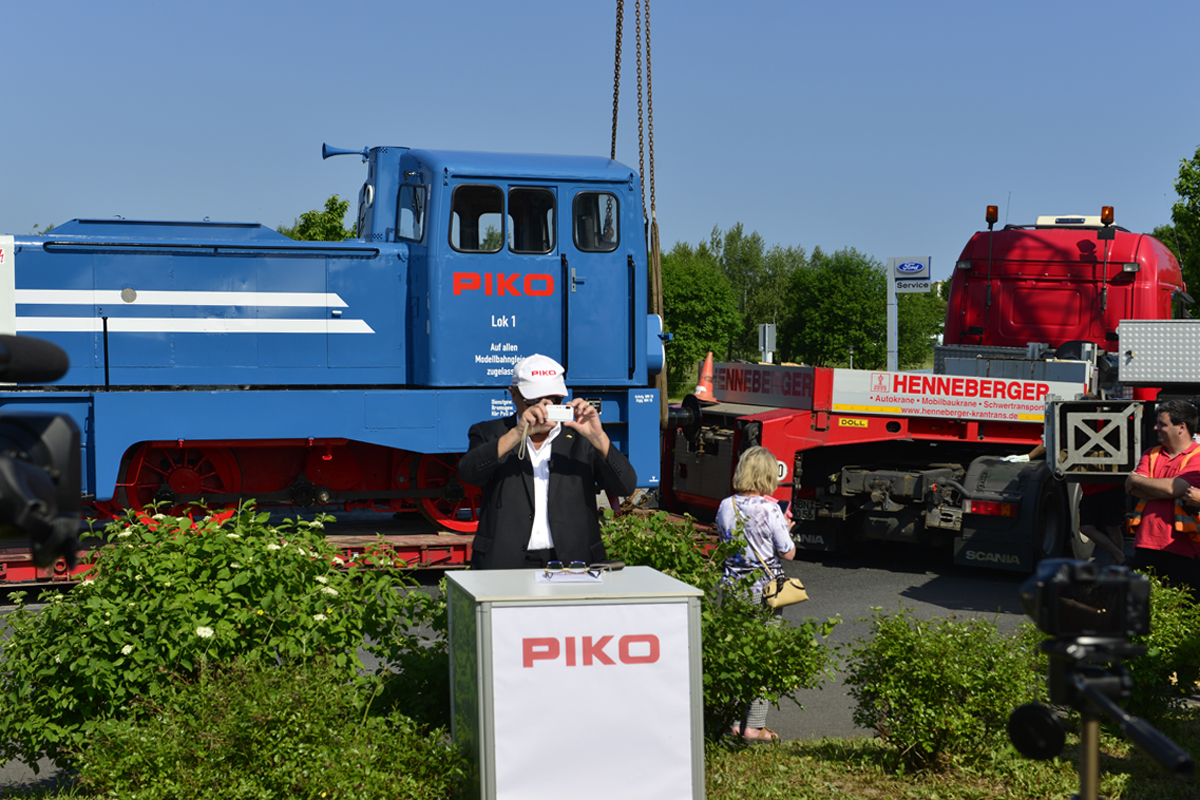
{"x": 327, "y": 151}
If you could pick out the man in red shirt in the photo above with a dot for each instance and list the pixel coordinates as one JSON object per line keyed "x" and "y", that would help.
{"x": 1163, "y": 479}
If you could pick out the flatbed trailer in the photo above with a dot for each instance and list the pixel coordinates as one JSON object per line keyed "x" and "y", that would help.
{"x": 878, "y": 455}
{"x": 431, "y": 551}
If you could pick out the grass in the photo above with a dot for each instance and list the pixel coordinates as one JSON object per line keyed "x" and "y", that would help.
{"x": 866, "y": 769}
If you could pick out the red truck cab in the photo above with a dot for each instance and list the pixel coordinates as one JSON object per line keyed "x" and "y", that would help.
{"x": 1065, "y": 278}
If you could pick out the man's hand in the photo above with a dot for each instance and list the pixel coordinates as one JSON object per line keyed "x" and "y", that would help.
{"x": 535, "y": 418}
{"x": 531, "y": 422}
{"x": 587, "y": 422}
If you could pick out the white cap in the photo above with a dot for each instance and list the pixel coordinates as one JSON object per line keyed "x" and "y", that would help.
{"x": 539, "y": 376}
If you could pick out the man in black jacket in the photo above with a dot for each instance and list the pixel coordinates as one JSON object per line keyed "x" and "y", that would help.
{"x": 539, "y": 477}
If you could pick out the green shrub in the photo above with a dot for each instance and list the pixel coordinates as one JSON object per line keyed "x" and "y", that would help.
{"x": 746, "y": 655}
{"x": 245, "y": 731}
{"x": 173, "y": 598}
{"x": 1172, "y": 660}
{"x": 672, "y": 546}
{"x": 1170, "y": 667}
{"x": 941, "y": 688}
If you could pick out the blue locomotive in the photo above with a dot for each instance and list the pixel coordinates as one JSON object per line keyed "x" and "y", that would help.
{"x": 218, "y": 361}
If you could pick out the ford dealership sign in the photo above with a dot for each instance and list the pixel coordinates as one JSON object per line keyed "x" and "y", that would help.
{"x": 910, "y": 268}
{"x": 909, "y": 274}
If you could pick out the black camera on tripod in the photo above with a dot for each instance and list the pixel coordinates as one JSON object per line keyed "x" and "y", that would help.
{"x": 40, "y": 475}
{"x": 1091, "y": 612}
{"x": 1078, "y": 598}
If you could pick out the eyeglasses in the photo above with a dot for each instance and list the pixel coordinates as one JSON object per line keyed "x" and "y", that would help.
{"x": 579, "y": 568}
{"x": 554, "y": 400}
{"x": 573, "y": 568}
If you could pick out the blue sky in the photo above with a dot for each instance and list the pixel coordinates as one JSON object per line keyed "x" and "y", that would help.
{"x": 879, "y": 125}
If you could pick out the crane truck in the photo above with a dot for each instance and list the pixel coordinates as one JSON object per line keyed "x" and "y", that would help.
{"x": 871, "y": 455}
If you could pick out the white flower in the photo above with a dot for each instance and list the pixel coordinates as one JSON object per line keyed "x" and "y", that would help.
{"x": 338, "y": 561}
{"x": 235, "y": 565}
{"x": 320, "y": 617}
{"x": 204, "y": 632}
{"x": 274, "y": 547}
{"x": 316, "y": 523}
{"x": 123, "y": 534}
{"x": 233, "y": 536}
{"x": 329, "y": 590}
{"x": 321, "y": 579}
{"x": 127, "y": 649}
{"x": 159, "y": 516}
{"x": 57, "y": 659}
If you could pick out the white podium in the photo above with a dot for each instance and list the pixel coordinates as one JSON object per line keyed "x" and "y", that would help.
{"x": 577, "y": 689}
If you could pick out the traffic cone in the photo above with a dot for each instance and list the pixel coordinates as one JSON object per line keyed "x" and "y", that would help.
{"x": 704, "y": 389}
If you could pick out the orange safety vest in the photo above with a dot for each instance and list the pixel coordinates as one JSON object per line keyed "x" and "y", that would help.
{"x": 1185, "y": 521}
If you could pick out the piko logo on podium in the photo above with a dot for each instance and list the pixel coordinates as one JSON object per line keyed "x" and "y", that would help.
{"x": 587, "y": 651}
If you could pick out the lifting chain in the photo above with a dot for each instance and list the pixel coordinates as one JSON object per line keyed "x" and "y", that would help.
{"x": 617, "y": 77}
{"x": 645, "y": 126}
{"x": 645, "y": 101}
{"x": 641, "y": 139}
{"x": 649, "y": 110}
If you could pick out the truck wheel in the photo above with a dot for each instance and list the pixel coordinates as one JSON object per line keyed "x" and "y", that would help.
{"x": 1050, "y": 520}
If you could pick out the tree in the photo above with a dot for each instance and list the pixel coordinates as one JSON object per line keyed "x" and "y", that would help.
{"x": 1168, "y": 236}
{"x": 779, "y": 266}
{"x": 838, "y": 301}
{"x": 321, "y": 226}
{"x": 700, "y": 310}
{"x": 740, "y": 257}
{"x": 759, "y": 277}
{"x": 491, "y": 239}
{"x": 1186, "y": 216}
{"x": 919, "y": 318}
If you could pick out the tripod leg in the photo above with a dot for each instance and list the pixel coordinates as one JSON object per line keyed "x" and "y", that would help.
{"x": 1089, "y": 757}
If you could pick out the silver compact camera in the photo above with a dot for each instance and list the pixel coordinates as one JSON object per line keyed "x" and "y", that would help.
{"x": 560, "y": 414}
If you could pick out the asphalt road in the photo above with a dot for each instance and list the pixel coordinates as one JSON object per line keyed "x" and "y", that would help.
{"x": 888, "y": 576}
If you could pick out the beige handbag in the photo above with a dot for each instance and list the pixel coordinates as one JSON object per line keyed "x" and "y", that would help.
{"x": 781, "y": 590}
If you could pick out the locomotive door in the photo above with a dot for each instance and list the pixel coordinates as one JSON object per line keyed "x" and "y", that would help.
{"x": 597, "y": 287}
{"x": 497, "y": 297}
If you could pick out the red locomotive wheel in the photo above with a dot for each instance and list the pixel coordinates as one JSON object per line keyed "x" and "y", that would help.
{"x": 458, "y": 510}
{"x": 179, "y": 474}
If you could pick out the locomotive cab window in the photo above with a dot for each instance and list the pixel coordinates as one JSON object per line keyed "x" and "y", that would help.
{"x": 530, "y": 220}
{"x": 410, "y": 212}
{"x": 477, "y": 218}
{"x": 597, "y": 217}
